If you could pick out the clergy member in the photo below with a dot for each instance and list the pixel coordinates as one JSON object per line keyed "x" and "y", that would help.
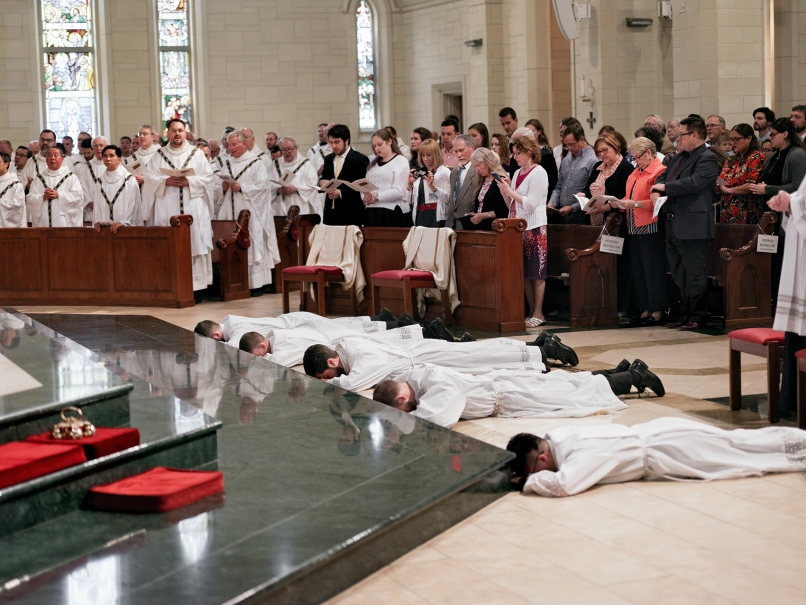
{"x": 12, "y": 195}
{"x": 142, "y": 157}
{"x": 246, "y": 187}
{"x": 21, "y": 157}
{"x": 215, "y": 193}
{"x": 135, "y": 143}
{"x": 91, "y": 173}
{"x": 34, "y": 166}
{"x": 443, "y": 395}
{"x": 571, "y": 459}
{"x": 166, "y": 196}
{"x": 56, "y": 198}
{"x": 116, "y": 198}
{"x": 318, "y": 153}
{"x": 125, "y": 147}
{"x": 271, "y": 140}
{"x": 302, "y": 190}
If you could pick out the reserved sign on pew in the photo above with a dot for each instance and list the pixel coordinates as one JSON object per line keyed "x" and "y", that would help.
{"x": 611, "y": 245}
{"x": 767, "y": 243}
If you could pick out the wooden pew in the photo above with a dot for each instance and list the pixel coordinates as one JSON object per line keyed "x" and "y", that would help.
{"x": 489, "y": 275}
{"x": 138, "y": 266}
{"x": 739, "y": 276}
{"x": 232, "y": 260}
{"x": 581, "y": 277}
{"x": 288, "y": 231}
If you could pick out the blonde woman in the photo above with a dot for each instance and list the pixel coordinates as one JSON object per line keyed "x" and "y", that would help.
{"x": 499, "y": 143}
{"x": 490, "y": 204}
{"x": 429, "y": 193}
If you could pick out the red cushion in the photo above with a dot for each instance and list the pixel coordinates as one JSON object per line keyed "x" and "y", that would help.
{"x": 156, "y": 491}
{"x": 312, "y": 270}
{"x": 759, "y": 336}
{"x": 21, "y": 461}
{"x": 801, "y": 354}
{"x": 103, "y": 443}
{"x": 399, "y": 275}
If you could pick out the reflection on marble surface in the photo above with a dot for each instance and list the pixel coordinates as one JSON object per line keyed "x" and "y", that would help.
{"x": 95, "y": 583}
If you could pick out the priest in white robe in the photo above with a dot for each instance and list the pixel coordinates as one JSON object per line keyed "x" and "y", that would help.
{"x": 166, "y": 196}
{"x": 443, "y": 395}
{"x": 12, "y": 195}
{"x": 90, "y": 173}
{"x": 571, "y": 459}
{"x": 246, "y": 187}
{"x": 56, "y": 198}
{"x": 316, "y": 155}
{"x": 116, "y": 198}
{"x": 302, "y": 190}
{"x": 215, "y": 192}
{"x": 38, "y": 162}
{"x": 139, "y": 160}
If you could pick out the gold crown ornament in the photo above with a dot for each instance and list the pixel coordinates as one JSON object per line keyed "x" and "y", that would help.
{"x": 72, "y": 427}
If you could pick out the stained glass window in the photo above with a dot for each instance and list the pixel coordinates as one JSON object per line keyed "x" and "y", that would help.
{"x": 365, "y": 38}
{"x": 69, "y": 67}
{"x": 174, "y": 44}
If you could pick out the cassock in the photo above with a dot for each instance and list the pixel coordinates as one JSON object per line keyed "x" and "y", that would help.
{"x": 789, "y": 312}
{"x": 317, "y": 154}
{"x": 288, "y": 346}
{"x": 305, "y": 180}
{"x": 116, "y": 198}
{"x": 255, "y": 196}
{"x": 235, "y": 326}
{"x": 12, "y": 201}
{"x": 161, "y": 202}
{"x": 368, "y": 363}
{"x": 665, "y": 448}
{"x": 445, "y": 395}
{"x": 67, "y": 210}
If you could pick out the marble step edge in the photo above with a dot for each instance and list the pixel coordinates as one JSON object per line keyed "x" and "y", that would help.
{"x": 94, "y": 467}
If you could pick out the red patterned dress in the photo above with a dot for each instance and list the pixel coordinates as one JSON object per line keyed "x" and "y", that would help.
{"x": 744, "y": 208}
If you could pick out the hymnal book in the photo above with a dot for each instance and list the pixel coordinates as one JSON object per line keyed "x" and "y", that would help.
{"x": 180, "y": 172}
{"x": 132, "y": 167}
{"x": 225, "y": 177}
{"x": 285, "y": 179}
{"x": 361, "y": 185}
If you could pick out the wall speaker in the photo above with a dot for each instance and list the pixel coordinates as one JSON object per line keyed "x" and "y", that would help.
{"x": 564, "y": 9}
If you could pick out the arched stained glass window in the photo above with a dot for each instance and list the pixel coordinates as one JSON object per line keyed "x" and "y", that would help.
{"x": 174, "y": 49}
{"x": 365, "y": 37}
{"x": 68, "y": 39}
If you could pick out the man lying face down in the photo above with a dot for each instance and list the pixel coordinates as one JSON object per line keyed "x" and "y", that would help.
{"x": 571, "y": 459}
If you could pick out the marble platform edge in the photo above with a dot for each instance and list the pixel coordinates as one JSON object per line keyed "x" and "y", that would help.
{"x": 56, "y": 406}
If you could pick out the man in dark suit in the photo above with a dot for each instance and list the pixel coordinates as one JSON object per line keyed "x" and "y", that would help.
{"x": 689, "y": 182}
{"x": 343, "y": 206}
{"x": 463, "y": 183}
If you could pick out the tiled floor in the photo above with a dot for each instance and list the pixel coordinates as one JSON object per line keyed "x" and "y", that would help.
{"x": 739, "y": 541}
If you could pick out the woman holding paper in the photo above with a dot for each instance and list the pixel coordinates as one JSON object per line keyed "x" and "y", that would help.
{"x": 389, "y": 172}
{"x": 608, "y": 177}
{"x": 647, "y": 247}
{"x": 490, "y": 204}
{"x": 743, "y": 168}
{"x": 528, "y": 201}
{"x": 429, "y": 193}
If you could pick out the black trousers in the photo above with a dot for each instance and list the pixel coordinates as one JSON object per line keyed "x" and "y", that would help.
{"x": 648, "y": 271}
{"x": 383, "y": 217}
{"x": 687, "y": 265}
{"x": 788, "y": 400}
{"x": 620, "y": 382}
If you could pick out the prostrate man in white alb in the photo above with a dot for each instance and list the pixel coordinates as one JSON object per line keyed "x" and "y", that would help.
{"x": 55, "y": 198}
{"x": 12, "y": 195}
{"x": 318, "y": 153}
{"x": 116, "y": 199}
{"x": 444, "y": 396}
{"x": 246, "y": 187}
{"x": 38, "y": 163}
{"x": 166, "y": 196}
{"x": 571, "y": 459}
{"x": 302, "y": 191}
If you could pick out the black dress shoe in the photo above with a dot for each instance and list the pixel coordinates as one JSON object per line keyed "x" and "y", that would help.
{"x": 556, "y": 350}
{"x": 541, "y": 338}
{"x": 386, "y": 315}
{"x": 637, "y": 321}
{"x": 269, "y": 289}
{"x": 623, "y": 366}
{"x": 467, "y": 338}
{"x": 691, "y": 325}
{"x": 440, "y": 330}
{"x": 644, "y": 379}
{"x": 256, "y": 292}
{"x": 651, "y": 321}
{"x": 404, "y": 320}
{"x": 197, "y": 298}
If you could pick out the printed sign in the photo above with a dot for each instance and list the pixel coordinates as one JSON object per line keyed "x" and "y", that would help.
{"x": 767, "y": 243}
{"x": 611, "y": 245}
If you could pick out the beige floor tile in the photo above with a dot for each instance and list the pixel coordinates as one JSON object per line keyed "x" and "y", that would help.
{"x": 773, "y": 495}
{"x": 666, "y": 590}
{"x": 423, "y": 554}
{"x": 359, "y": 596}
{"x": 792, "y": 480}
{"x": 556, "y": 585}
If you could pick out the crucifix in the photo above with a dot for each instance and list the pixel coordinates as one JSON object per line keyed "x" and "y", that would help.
{"x": 591, "y": 120}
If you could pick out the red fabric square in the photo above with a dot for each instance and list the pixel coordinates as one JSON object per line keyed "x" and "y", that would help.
{"x": 156, "y": 491}
{"x": 312, "y": 270}
{"x": 759, "y": 336}
{"x": 399, "y": 275}
{"x": 103, "y": 443}
{"x": 21, "y": 461}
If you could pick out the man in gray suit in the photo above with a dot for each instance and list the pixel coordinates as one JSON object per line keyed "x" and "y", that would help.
{"x": 690, "y": 184}
{"x": 463, "y": 183}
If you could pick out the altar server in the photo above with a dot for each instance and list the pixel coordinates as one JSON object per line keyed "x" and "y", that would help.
{"x": 166, "y": 196}
{"x": 116, "y": 196}
{"x": 12, "y": 195}
{"x": 55, "y": 198}
{"x": 302, "y": 191}
{"x": 571, "y": 459}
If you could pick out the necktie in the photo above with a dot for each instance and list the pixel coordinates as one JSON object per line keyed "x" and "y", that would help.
{"x": 337, "y": 171}
{"x": 457, "y": 185}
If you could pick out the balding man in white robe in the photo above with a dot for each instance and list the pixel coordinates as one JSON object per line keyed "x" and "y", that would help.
{"x": 246, "y": 187}
{"x": 166, "y": 196}
{"x": 116, "y": 198}
{"x": 302, "y": 190}
{"x": 12, "y": 195}
{"x": 56, "y": 198}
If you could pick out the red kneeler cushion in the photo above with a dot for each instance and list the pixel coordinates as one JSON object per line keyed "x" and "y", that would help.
{"x": 312, "y": 270}
{"x": 22, "y": 461}
{"x": 103, "y": 443}
{"x": 801, "y": 354}
{"x": 400, "y": 275}
{"x": 156, "y": 491}
{"x": 759, "y": 336}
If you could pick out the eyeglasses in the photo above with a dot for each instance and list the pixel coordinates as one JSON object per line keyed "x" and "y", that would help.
{"x": 602, "y": 151}
{"x": 640, "y": 155}
{"x": 44, "y": 140}
{"x": 682, "y": 134}
{"x": 737, "y": 139}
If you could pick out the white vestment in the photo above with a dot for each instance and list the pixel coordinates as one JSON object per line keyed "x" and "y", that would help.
{"x": 117, "y": 198}
{"x": 368, "y": 363}
{"x": 235, "y": 326}
{"x": 317, "y": 154}
{"x": 445, "y": 395}
{"x": 12, "y": 201}
{"x": 665, "y": 448}
{"x": 88, "y": 172}
{"x": 305, "y": 180}
{"x": 142, "y": 157}
{"x": 161, "y": 202}
{"x": 255, "y": 196}
{"x": 35, "y": 165}
{"x": 67, "y": 210}
{"x": 790, "y": 312}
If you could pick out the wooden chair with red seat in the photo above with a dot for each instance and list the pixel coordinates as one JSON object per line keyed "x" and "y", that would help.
{"x": 407, "y": 281}
{"x": 762, "y": 342}
{"x": 801, "y": 358}
{"x": 319, "y": 276}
